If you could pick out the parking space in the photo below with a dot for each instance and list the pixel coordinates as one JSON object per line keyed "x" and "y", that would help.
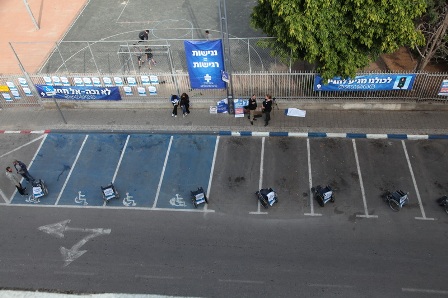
{"x": 333, "y": 163}
{"x": 159, "y": 172}
{"x": 384, "y": 167}
{"x": 429, "y": 159}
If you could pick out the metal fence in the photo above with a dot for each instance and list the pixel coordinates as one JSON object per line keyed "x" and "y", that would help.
{"x": 290, "y": 87}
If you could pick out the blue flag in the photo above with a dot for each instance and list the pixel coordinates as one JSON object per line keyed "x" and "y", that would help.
{"x": 205, "y": 63}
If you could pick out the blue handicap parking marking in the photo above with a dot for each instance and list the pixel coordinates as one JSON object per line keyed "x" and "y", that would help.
{"x": 52, "y": 164}
{"x": 188, "y": 167}
{"x": 140, "y": 170}
{"x": 95, "y": 168}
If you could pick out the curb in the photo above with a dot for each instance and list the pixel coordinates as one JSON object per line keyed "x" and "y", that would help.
{"x": 250, "y": 134}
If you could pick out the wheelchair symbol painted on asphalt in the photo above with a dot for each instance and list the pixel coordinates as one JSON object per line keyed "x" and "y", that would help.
{"x": 80, "y": 199}
{"x": 31, "y": 199}
{"x": 178, "y": 201}
{"x": 128, "y": 201}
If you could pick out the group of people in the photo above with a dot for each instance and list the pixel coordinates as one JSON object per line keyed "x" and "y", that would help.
{"x": 266, "y": 108}
{"x": 22, "y": 170}
{"x": 143, "y": 35}
{"x": 183, "y": 102}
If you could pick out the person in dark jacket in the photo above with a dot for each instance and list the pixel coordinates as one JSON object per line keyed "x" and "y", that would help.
{"x": 22, "y": 170}
{"x": 186, "y": 99}
{"x": 267, "y": 108}
{"x": 143, "y": 35}
{"x": 252, "y": 106}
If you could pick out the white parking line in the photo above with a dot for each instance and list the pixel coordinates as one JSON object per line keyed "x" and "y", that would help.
{"x": 211, "y": 171}
{"x": 426, "y": 291}
{"x": 119, "y": 163}
{"x": 310, "y": 178}
{"x": 241, "y": 281}
{"x": 71, "y": 170}
{"x": 415, "y": 184}
{"x": 260, "y": 181}
{"x": 163, "y": 173}
{"x": 330, "y": 286}
{"x": 361, "y": 184}
{"x": 156, "y": 277}
{"x": 75, "y": 273}
{"x": 24, "y": 145}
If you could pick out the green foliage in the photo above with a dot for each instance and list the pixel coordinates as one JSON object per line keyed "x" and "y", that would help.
{"x": 341, "y": 36}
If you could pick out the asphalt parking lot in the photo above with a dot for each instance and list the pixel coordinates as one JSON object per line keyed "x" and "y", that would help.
{"x": 158, "y": 171}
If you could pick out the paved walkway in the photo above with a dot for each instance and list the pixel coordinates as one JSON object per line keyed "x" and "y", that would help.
{"x": 200, "y": 120}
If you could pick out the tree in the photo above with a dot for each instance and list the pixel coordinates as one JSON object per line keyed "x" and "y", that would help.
{"x": 339, "y": 36}
{"x": 434, "y": 25}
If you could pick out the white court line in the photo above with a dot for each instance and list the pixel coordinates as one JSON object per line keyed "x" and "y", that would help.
{"x": 260, "y": 181}
{"x": 163, "y": 173}
{"x": 71, "y": 170}
{"x": 212, "y": 170}
{"x": 415, "y": 184}
{"x": 31, "y": 163}
{"x": 119, "y": 163}
{"x": 242, "y": 281}
{"x": 24, "y": 145}
{"x": 127, "y": 2}
{"x": 310, "y": 178}
{"x": 361, "y": 184}
{"x": 426, "y": 291}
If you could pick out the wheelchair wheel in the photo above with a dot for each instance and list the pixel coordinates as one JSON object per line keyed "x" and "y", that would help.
{"x": 332, "y": 199}
{"x": 320, "y": 200}
{"x": 446, "y": 208}
{"x": 394, "y": 205}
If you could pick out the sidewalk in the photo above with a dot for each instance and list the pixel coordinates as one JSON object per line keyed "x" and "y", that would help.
{"x": 200, "y": 120}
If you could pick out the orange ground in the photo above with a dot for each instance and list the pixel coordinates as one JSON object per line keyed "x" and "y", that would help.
{"x": 53, "y": 17}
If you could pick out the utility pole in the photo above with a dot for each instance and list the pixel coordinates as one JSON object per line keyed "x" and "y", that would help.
{"x": 226, "y": 50}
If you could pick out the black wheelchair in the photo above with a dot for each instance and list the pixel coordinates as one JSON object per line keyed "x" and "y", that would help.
{"x": 443, "y": 201}
{"x": 199, "y": 197}
{"x": 323, "y": 195}
{"x": 109, "y": 192}
{"x": 267, "y": 197}
{"x": 396, "y": 199}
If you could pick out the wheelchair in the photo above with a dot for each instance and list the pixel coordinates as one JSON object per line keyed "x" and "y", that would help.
{"x": 39, "y": 189}
{"x": 109, "y": 192}
{"x": 443, "y": 201}
{"x": 267, "y": 197}
{"x": 199, "y": 197}
{"x": 396, "y": 199}
{"x": 323, "y": 195}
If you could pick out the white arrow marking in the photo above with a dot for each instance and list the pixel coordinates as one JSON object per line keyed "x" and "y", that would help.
{"x": 58, "y": 229}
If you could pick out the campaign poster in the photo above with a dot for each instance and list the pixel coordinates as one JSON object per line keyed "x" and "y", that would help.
{"x": 205, "y": 64}
{"x": 444, "y": 88}
{"x": 82, "y": 92}
{"x": 370, "y": 82}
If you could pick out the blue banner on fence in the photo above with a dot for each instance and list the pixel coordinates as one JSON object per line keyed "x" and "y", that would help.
{"x": 373, "y": 82}
{"x": 205, "y": 63}
{"x": 82, "y": 92}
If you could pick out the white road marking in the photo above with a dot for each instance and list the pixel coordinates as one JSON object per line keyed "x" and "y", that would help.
{"x": 310, "y": 179}
{"x": 376, "y": 136}
{"x": 156, "y": 277}
{"x": 75, "y": 273}
{"x": 330, "y": 286}
{"x": 260, "y": 181}
{"x": 24, "y": 145}
{"x": 426, "y": 291}
{"x": 212, "y": 170}
{"x": 242, "y": 281}
{"x": 71, "y": 170}
{"x": 119, "y": 163}
{"x": 163, "y": 173}
{"x": 361, "y": 184}
{"x": 415, "y": 184}
{"x": 336, "y": 135}
{"x": 2, "y": 194}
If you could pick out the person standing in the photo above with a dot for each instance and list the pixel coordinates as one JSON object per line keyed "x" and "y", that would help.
{"x": 208, "y": 35}
{"x": 183, "y": 105}
{"x": 22, "y": 170}
{"x": 143, "y": 35}
{"x": 149, "y": 57}
{"x": 186, "y": 99}
{"x": 267, "y": 108}
{"x": 175, "y": 102}
{"x": 252, "y": 107}
{"x": 16, "y": 181}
